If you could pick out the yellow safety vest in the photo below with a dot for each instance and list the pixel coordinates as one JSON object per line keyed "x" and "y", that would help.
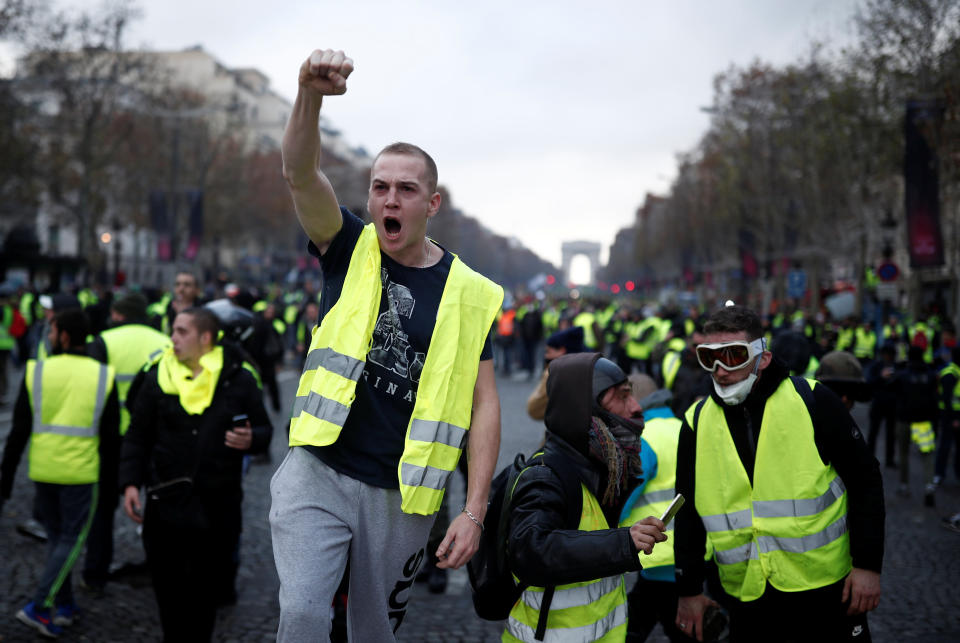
{"x": 865, "y": 343}
{"x": 790, "y": 526}
{"x": 6, "y": 339}
{"x": 670, "y": 364}
{"x": 67, "y": 395}
{"x": 441, "y": 414}
{"x": 585, "y": 321}
{"x": 950, "y": 369}
{"x": 920, "y": 327}
{"x": 662, "y": 434}
{"x": 129, "y": 348}
{"x": 844, "y": 339}
{"x": 551, "y": 320}
{"x": 594, "y": 610}
{"x": 634, "y": 348}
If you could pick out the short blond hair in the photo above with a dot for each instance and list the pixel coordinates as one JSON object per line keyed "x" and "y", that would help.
{"x": 409, "y": 149}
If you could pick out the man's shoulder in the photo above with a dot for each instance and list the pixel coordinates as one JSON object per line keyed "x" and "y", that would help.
{"x": 345, "y": 238}
{"x": 476, "y": 279}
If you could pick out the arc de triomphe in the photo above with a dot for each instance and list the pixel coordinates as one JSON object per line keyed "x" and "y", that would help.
{"x": 589, "y": 249}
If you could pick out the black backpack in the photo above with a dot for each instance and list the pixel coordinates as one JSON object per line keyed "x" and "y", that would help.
{"x": 494, "y": 590}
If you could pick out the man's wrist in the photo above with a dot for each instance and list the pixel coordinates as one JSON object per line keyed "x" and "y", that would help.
{"x": 472, "y": 517}
{"x": 477, "y": 508}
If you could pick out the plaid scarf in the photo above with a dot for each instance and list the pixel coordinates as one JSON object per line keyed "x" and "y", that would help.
{"x": 619, "y": 449}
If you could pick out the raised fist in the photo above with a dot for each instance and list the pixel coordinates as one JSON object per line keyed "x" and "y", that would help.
{"x": 325, "y": 72}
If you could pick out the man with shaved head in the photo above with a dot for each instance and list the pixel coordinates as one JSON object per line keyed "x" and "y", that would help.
{"x": 398, "y": 374}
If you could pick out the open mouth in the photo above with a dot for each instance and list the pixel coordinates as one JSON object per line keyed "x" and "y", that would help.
{"x": 391, "y": 226}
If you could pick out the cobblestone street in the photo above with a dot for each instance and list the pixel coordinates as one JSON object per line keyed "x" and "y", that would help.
{"x": 921, "y": 570}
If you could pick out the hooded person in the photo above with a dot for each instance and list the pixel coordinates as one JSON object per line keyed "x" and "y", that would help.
{"x": 593, "y": 432}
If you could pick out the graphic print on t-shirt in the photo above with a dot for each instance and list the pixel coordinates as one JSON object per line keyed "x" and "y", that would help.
{"x": 391, "y": 347}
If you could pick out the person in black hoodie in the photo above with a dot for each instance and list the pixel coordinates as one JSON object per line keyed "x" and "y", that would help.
{"x": 593, "y": 431}
{"x": 915, "y": 390}
{"x": 185, "y": 447}
{"x": 779, "y": 481}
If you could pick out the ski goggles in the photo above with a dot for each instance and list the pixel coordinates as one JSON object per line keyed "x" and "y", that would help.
{"x": 732, "y": 356}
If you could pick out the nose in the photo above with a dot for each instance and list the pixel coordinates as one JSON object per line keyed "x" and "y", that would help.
{"x": 392, "y": 197}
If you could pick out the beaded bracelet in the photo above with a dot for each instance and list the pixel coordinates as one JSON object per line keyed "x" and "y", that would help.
{"x": 470, "y": 515}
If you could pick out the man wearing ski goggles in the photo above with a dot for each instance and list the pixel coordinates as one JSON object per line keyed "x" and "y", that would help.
{"x": 762, "y": 457}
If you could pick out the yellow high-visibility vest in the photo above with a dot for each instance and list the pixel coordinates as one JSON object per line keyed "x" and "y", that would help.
{"x": 950, "y": 369}
{"x": 662, "y": 434}
{"x": 865, "y": 343}
{"x": 585, "y": 320}
{"x": 670, "y": 364}
{"x": 7, "y": 341}
{"x": 594, "y": 610}
{"x": 790, "y": 526}
{"x": 441, "y": 414}
{"x": 67, "y": 395}
{"x": 129, "y": 348}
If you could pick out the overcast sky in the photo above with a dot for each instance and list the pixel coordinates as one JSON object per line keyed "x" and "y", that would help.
{"x": 549, "y": 121}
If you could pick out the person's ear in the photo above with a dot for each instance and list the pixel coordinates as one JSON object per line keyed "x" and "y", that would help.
{"x": 435, "y": 201}
{"x": 765, "y": 358}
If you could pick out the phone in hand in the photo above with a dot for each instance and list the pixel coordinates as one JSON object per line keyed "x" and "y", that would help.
{"x": 240, "y": 420}
{"x": 672, "y": 510}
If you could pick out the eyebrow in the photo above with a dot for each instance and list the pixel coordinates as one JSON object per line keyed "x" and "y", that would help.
{"x": 402, "y": 182}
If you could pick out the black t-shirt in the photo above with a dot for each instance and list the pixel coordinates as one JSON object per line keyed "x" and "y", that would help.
{"x": 372, "y": 439}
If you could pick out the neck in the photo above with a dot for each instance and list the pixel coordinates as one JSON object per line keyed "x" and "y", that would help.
{"x": 422, "y": 255}
{"x": 194, "y": 366}
{"x": 194, "y": 363}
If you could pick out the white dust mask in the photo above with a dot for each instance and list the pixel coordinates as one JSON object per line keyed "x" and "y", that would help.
{"x": 735, "y": 393}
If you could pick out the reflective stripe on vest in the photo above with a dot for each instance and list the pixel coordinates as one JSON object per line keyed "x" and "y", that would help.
{"x": 444, "y": 402}
{"x": 789, "y": 527}
{"x": 922, "y": 434}
{"x": 129, "y": 348}
{"x": 67, "y": 394}
{"x": 662, "y": 434}
{"x": 579, "y": 612}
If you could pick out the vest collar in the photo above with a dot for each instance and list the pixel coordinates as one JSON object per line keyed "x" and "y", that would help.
{"x": 195, "y": 393}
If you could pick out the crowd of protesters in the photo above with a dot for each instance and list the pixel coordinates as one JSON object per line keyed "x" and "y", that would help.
{"x": 909, "y": 374}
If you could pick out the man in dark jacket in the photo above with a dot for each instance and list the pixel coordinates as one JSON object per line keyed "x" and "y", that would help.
{"x": 883, "y": 407}
{"x": 186, "y": 448}
{"x": 128, "y": 345}
{"x": 593, "y": 430}
{"x": 779, "y": 481}
{"x": 915, "y": 389}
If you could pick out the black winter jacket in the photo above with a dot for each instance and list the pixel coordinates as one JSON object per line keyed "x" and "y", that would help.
{"x": 542, "y": 549}
{"x": 165, "y": 442}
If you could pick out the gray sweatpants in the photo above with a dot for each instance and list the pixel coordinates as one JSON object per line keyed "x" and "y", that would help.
{"x": 318, "y": 519}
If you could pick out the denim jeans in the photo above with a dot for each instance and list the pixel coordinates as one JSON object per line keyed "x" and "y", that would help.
{"x": 66, "y": 512}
